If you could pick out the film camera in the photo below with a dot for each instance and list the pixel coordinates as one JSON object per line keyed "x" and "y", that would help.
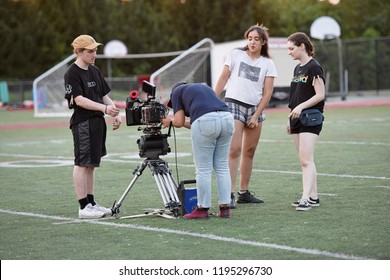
{"x": 151, "y": 145}
{"x": 148, "y": 112}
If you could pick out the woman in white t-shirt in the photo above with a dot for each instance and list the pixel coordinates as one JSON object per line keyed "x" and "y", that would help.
{"x": 248, "y": 75}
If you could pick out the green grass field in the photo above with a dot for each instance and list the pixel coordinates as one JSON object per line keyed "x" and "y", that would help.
{"x": 38, "y": 206}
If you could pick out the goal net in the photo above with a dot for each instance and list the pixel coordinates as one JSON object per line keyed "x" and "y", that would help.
{"x": 192, "y": 66}
{"x": 48, "y": 91}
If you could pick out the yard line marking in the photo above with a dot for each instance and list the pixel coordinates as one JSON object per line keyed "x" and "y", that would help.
{"x": 329, "y": 142}
{"x": 323, "y": 174}
{"x": 383, "y": 187}
{"x": 192, "y": 234}
{"x": 35, "y": 156}
{"x": 67, "y": 162}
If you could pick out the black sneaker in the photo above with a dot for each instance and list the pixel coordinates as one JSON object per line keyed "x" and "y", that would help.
{"x": 303, "y": 205}
{"x": 314, "y": 202}
{"x": 248, "y": 197}
{"x": 232, "y": 204}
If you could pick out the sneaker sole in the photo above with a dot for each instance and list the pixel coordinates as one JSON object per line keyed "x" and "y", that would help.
{"x": 303, "y": 209}
{"x": 91, "y": 217}
{"x": 295, "y": 204}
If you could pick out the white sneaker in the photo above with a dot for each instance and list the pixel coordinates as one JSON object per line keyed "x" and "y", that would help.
{"x": 106, "y": 211}
{"x": 89, "y": 212}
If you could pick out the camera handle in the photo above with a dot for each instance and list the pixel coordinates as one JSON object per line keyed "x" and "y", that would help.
{"x": 169, "y": 129}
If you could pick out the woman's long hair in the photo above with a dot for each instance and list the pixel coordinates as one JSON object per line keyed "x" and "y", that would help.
{"x": 263, "y": 33}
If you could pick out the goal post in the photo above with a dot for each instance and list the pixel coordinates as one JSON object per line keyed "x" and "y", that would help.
{"x": 48, "y": 91}
{"x": 192, "y": 66}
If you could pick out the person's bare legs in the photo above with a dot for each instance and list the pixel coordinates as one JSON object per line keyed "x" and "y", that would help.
{"x": 305, "y": 145}
{"x": 250, "y": 141}
{"x": 235, "y": 152}
{"x": 83, "y": 179}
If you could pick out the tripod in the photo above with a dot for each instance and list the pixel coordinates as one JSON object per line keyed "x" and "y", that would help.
{"x": 162, "y": 175}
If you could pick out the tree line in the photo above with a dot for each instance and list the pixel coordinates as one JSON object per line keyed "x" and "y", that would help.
{"x": 36, "y": 34}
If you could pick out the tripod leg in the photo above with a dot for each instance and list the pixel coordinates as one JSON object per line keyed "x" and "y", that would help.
{"x": 172, "y": 187}
{"x": 166, "y": 186}
{"x": 163, "y": 192}
{"x": 137, "y": 172}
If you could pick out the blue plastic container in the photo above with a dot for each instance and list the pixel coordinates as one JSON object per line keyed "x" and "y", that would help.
{"x": 190, "y": 200}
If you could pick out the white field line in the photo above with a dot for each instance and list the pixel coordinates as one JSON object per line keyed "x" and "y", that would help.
{"x": 190, "y": 234}
{"x": 323, "y": 174}
{"x": 138, "y": 161}
{"x": 332, "y": 142}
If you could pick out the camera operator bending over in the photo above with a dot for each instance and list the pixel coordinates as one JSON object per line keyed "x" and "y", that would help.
{"x": 87, "y": 93}
{"x": 212, "y": 128}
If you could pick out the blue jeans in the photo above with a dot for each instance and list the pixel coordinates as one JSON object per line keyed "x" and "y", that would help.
{"x": 211, "y": 136}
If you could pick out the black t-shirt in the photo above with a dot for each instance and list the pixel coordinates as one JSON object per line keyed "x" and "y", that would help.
{"x": 302, "y": 88}
{"x": 196, "y": 100}
{"x": 88, "y": 83}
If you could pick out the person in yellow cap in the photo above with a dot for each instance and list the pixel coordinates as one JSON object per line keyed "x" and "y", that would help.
{"x": 87, "y": 93}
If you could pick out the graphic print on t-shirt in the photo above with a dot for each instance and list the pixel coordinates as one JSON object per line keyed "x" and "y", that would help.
{"x": 251, "y": 73}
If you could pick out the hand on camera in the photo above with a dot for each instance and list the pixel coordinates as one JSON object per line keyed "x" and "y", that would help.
{"x": 166, "y": 122}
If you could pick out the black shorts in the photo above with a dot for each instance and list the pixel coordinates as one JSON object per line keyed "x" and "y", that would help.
{"x": 296, "y": 127}
{"x": 89, "y": 140}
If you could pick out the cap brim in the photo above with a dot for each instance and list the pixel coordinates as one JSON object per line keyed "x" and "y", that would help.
{"x": 93, "y": 46}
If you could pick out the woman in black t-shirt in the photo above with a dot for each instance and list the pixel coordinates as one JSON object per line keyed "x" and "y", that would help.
{"x": 307, "y": 92}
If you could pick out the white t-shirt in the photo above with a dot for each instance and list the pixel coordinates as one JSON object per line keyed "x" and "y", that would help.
{"x": 247, "y": 76}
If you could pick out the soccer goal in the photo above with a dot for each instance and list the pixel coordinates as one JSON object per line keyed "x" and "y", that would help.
{"x": 48, "y": 91}
{"x": 192, "y": 66}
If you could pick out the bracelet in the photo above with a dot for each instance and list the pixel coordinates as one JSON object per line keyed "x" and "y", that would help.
{"x": 255, "y": 116}
{"x": 105, "y": 110}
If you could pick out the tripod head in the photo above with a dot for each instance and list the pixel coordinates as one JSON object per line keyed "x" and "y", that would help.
{"x": 153, "y": 143}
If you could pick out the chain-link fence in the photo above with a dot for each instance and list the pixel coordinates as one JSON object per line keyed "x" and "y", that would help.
{"x": 366, "y": 64}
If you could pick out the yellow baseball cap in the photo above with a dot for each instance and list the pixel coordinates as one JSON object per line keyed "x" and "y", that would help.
{"x": 85, "y": 42}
